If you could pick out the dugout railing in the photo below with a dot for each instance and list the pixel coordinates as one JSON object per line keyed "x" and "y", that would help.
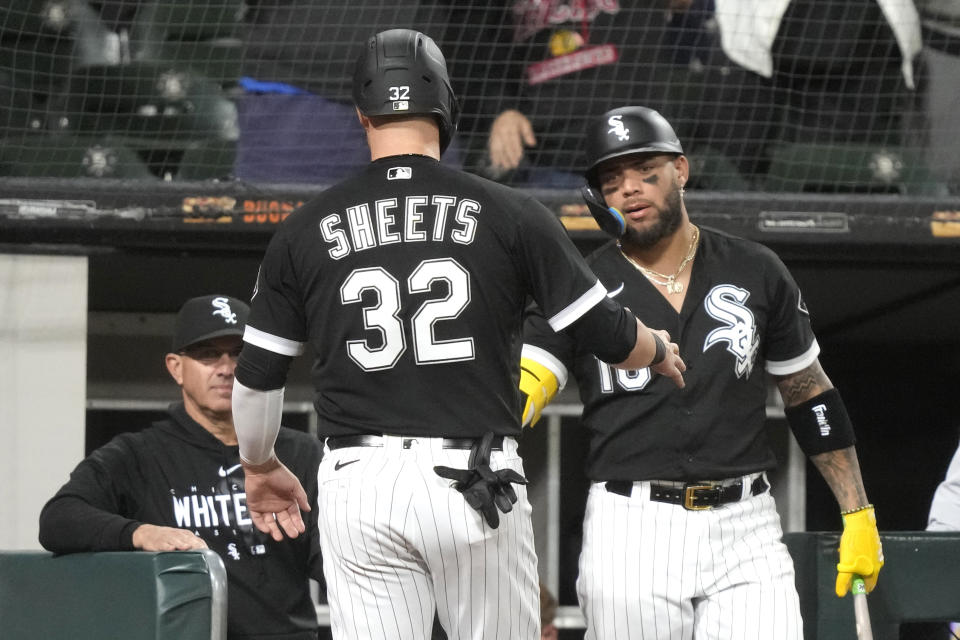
{"x": 918, "y": 584}
{"x": 180, "y": 595}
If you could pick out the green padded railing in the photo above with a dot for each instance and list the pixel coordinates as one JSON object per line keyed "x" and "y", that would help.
{"x": 179, "y": 595}
{"x": 920, "y": 582}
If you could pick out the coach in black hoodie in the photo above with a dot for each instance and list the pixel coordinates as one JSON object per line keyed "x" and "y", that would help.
{"x": 179, "y": 485}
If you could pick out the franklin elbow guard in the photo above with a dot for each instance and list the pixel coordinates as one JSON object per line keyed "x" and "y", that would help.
{"x": 821, "y": 423}
{"x": 540, "y": 385}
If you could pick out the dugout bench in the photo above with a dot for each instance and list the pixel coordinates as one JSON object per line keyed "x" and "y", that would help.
{"x": 920, "y": 582}
{"x": 137, "y": 595}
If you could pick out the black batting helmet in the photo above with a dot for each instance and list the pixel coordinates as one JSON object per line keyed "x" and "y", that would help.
{"x": 616, "y": 133}
{"x": 402, "y": 72}
{"x": 624, "y": 131}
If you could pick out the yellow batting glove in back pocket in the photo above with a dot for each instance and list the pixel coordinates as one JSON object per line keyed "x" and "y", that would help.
{"x": 540, "y": 386}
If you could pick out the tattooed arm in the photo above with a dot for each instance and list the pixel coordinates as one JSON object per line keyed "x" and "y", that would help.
{"x": 840, "y": 468}
{"x": 860, "y": 551}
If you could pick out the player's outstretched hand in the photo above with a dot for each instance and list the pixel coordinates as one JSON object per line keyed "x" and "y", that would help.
{"x": 151, "y": 537}
{"x": 672, "y": 365}
{"x": 275, "y": 498}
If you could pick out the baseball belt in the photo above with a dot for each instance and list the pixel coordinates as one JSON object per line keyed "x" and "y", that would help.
{"x": 694, "y": 496}
{"x": 370, "y": 440}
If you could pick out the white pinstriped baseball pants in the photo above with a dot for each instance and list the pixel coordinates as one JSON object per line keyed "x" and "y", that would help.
{"x": 656, "y": 571}
{"x": 399, "y": 543}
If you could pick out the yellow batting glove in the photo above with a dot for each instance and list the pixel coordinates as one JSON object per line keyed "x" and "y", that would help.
{"x": 860, "y": 550}
{"x": 540, "y": 385}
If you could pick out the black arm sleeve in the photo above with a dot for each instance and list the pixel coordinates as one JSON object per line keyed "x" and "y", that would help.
{"x": 316, "y": 559}
{"x": 589, "y": 330}
{"x": 302, "y": 454}
{"x": 261, "y": 369}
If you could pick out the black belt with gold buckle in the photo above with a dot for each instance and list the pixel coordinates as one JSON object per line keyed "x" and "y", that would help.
{"x": 694, "y": 496}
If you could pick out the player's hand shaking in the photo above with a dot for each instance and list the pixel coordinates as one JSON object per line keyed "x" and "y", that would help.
{"x": 668, "y": 363}
{"x": 484, "y": 489}
{"x": 275, "y": 498}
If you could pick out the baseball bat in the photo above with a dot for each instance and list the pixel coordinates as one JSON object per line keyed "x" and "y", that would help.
{"x": 860, "y": 610}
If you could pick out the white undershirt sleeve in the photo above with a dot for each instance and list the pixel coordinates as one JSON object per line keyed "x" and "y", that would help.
{"x": 256, "y": 418}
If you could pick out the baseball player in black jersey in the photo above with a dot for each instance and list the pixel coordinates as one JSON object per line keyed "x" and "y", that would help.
{"x": 178, "y": 485}
{"x": 408, "y": 284}
{"x": 681, "y": 535}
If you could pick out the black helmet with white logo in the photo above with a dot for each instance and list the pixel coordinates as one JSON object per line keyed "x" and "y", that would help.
{"x": 402, "y": 72}
{"x": 624, "y": 131}
{"x": 616, "y": 133}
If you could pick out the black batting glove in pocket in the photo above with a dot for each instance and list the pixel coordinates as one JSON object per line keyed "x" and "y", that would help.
{"x": 487, "y": 491}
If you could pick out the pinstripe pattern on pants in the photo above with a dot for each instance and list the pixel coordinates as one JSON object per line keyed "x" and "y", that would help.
{"x": 399, "y": 543}
{"x": 651, "y": 570}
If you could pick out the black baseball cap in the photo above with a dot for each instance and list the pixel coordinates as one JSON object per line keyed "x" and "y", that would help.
{"x": 208, "y": 317}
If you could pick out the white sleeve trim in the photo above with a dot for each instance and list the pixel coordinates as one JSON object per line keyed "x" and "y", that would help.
{"x": 273, "y": 343}
{"x": 572, "y": 312}
{"x": 786, "y": 367}
{"x": 256, "y": 419}
{"x": 545, "y": 358}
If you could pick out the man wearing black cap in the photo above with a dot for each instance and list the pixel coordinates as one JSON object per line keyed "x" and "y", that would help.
{"x": 179, "y": 485}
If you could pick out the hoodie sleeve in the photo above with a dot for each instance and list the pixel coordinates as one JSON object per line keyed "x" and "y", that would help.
{"x": 89, "y": 512}
{"x": 313, "y": 455}
{"x": 302, "y": 453}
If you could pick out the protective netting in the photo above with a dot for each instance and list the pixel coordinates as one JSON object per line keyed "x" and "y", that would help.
{"x": 823, "y": 96}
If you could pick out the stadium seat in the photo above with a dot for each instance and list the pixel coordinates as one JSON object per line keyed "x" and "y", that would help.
{"x": 38, "y": 64}
{"x": 57, "y": 156}
{"x": 208, "y": 161}
{"x": 848, "y": 168}
{"x": 138, "y": 595}
{"x": 34, "y": 17}
{"x": 146, "y": 105}
{"x": 190, "y": 34}
{"x": 190, "y": 19}
{"x": 711, "y": 170}
{"x": 18, "y": 109}
{"x": 219, "y": 61}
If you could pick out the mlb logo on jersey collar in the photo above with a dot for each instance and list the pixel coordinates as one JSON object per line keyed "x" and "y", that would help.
{"x": 399, "y": 173}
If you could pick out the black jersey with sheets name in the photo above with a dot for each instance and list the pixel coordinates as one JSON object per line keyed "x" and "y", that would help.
{"x": 407, "y": 284}
{"x": 742, "y": 317}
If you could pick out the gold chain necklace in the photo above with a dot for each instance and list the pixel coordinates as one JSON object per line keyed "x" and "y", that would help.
{"x": 662, "y": 279}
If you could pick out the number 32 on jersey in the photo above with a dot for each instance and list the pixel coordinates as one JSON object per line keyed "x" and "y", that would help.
{"x": 383, "y": 316}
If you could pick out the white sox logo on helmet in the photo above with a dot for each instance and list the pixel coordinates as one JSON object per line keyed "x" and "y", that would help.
{"x": 618, "y": 129}
{"x": 223, "y": 310}
{"x": 725, "y": 303}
